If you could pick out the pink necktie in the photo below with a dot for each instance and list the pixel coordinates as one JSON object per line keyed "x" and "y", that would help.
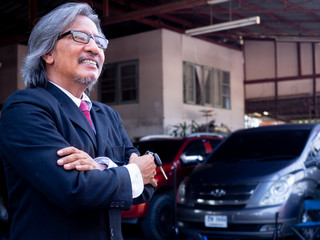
{"x": 84, "y": 108}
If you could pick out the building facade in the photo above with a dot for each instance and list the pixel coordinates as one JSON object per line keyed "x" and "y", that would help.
{"x": 157, "y": 80}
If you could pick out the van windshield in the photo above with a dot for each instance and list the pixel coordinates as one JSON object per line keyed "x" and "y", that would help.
{"x": 261, "y": 146}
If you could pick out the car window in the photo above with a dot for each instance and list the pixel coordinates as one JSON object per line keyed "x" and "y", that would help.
{"x": 166, "y": 149}
{"x": 261, "y": 145}
{"x": 195, "y": 148}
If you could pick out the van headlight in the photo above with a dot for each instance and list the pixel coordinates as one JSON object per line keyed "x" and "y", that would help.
{"x": 181, "y": 195}
{"x": 279, "y": 192}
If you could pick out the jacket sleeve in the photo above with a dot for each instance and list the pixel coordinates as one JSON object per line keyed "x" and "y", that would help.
{"x": 146, "y": 194}
{"x": 129, "y": 149}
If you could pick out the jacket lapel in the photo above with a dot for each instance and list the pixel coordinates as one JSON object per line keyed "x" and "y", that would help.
{"x": 101, "y": 125}
{"x": 73, "y": 112}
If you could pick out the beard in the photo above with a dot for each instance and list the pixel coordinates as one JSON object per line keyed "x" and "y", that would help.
{"x": 88, "y": 81}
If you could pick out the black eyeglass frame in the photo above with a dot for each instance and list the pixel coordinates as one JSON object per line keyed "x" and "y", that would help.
{"x": 94, "y": 37}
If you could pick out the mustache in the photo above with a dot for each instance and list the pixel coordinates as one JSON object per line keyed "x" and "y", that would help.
{"x": 90, "y": 57}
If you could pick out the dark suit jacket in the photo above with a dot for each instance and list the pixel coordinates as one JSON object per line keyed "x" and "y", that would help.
{"x": 47, "y": 202}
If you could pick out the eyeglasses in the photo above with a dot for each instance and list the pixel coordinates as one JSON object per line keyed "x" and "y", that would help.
{"x": 82, "y": 37}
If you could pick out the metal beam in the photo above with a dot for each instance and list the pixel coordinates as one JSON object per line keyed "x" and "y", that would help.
{"x": 170, "y": 7}
{"x": 32, "y": 13}
{"x": 281, "y": 79}
{"x": 105, "y": 8}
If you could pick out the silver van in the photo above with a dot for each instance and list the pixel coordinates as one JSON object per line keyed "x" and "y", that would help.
{"x": 253, "y": 184}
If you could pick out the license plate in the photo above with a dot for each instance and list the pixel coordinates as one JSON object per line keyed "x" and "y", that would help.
{"x": 217, "y": 221}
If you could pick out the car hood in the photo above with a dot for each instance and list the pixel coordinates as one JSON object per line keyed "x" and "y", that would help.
{"x": 241, "y": 171}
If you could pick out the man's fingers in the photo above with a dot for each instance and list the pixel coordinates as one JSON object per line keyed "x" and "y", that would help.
{"x": 84, "y": 167}
{"x": 154, "y": 182}
{"x": 73, "y": 158}
{"x": 67, "y": 151}
{"x": 78, "y": 167}
{"x": 69, "y": 159}
{"x": 81, "y": 165}
{"x": 72, "y": 164}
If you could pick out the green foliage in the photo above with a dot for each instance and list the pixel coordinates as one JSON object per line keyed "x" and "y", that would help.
{"x": 183, "y": 129}
{"x": 180, "y": 130}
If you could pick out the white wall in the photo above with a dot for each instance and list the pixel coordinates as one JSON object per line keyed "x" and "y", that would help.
{"x": 161, "y": 54}
{"x": 146, "y": 117}
{"x": 22, "y": 53}
{"x": 178, "y": 48}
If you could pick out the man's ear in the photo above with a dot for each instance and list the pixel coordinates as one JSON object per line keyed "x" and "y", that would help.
{"x": 49, "y": 57}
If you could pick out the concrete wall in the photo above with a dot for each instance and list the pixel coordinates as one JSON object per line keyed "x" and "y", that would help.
{"x": 178, "y": 48}
{"x": 22, "y": 53}
{"x": 161, "y": 54}
{"x": 11, "y": 59}
{"x": 272, "y": 60}
{"x": 145, "y": 117}
{"x": 8, "y": 71}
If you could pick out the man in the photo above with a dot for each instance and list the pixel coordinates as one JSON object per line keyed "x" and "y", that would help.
{"x": 48, "y": 145}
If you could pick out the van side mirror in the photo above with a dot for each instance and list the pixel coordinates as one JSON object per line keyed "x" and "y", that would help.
{"x": 313, "y": 161}
{"x": 191, "y": 159}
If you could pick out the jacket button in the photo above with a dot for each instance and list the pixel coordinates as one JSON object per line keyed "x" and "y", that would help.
{"x": 111, "y": 232}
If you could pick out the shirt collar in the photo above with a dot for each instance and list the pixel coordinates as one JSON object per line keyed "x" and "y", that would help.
{"x": 76, "y": 100}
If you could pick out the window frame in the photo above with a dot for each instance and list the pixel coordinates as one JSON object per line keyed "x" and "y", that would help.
{"x": 117, "y": 83}
{"x": 219, "y": 82}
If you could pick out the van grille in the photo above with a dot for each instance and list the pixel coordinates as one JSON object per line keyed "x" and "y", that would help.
{"x": 220, "y": 193}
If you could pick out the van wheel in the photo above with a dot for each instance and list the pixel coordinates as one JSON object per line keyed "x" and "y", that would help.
{"x": 158, "y": 224}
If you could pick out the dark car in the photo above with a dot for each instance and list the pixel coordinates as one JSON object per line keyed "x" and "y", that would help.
{"x": 253, "y": 184}
{"x": 179, "y": 156}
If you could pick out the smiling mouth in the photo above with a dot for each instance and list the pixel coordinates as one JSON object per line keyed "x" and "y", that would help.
{"x": 90, "y": 59}
{"x": 90, "y": 62}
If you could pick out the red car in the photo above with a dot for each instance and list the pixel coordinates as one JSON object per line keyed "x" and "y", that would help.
{"x": 179, "y": 156}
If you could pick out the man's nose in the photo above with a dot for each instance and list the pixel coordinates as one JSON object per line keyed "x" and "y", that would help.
{"x": 91, "y": 46}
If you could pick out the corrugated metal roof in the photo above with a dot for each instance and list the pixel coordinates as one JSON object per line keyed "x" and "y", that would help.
{"x": 279, "y": 18}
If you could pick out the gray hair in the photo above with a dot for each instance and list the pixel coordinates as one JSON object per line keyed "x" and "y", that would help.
{"x": 44, "y": 36}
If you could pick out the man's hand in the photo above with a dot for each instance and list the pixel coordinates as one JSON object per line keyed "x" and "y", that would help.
{"x": 73, "y": 158}
{"x": 147, "y": 167}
